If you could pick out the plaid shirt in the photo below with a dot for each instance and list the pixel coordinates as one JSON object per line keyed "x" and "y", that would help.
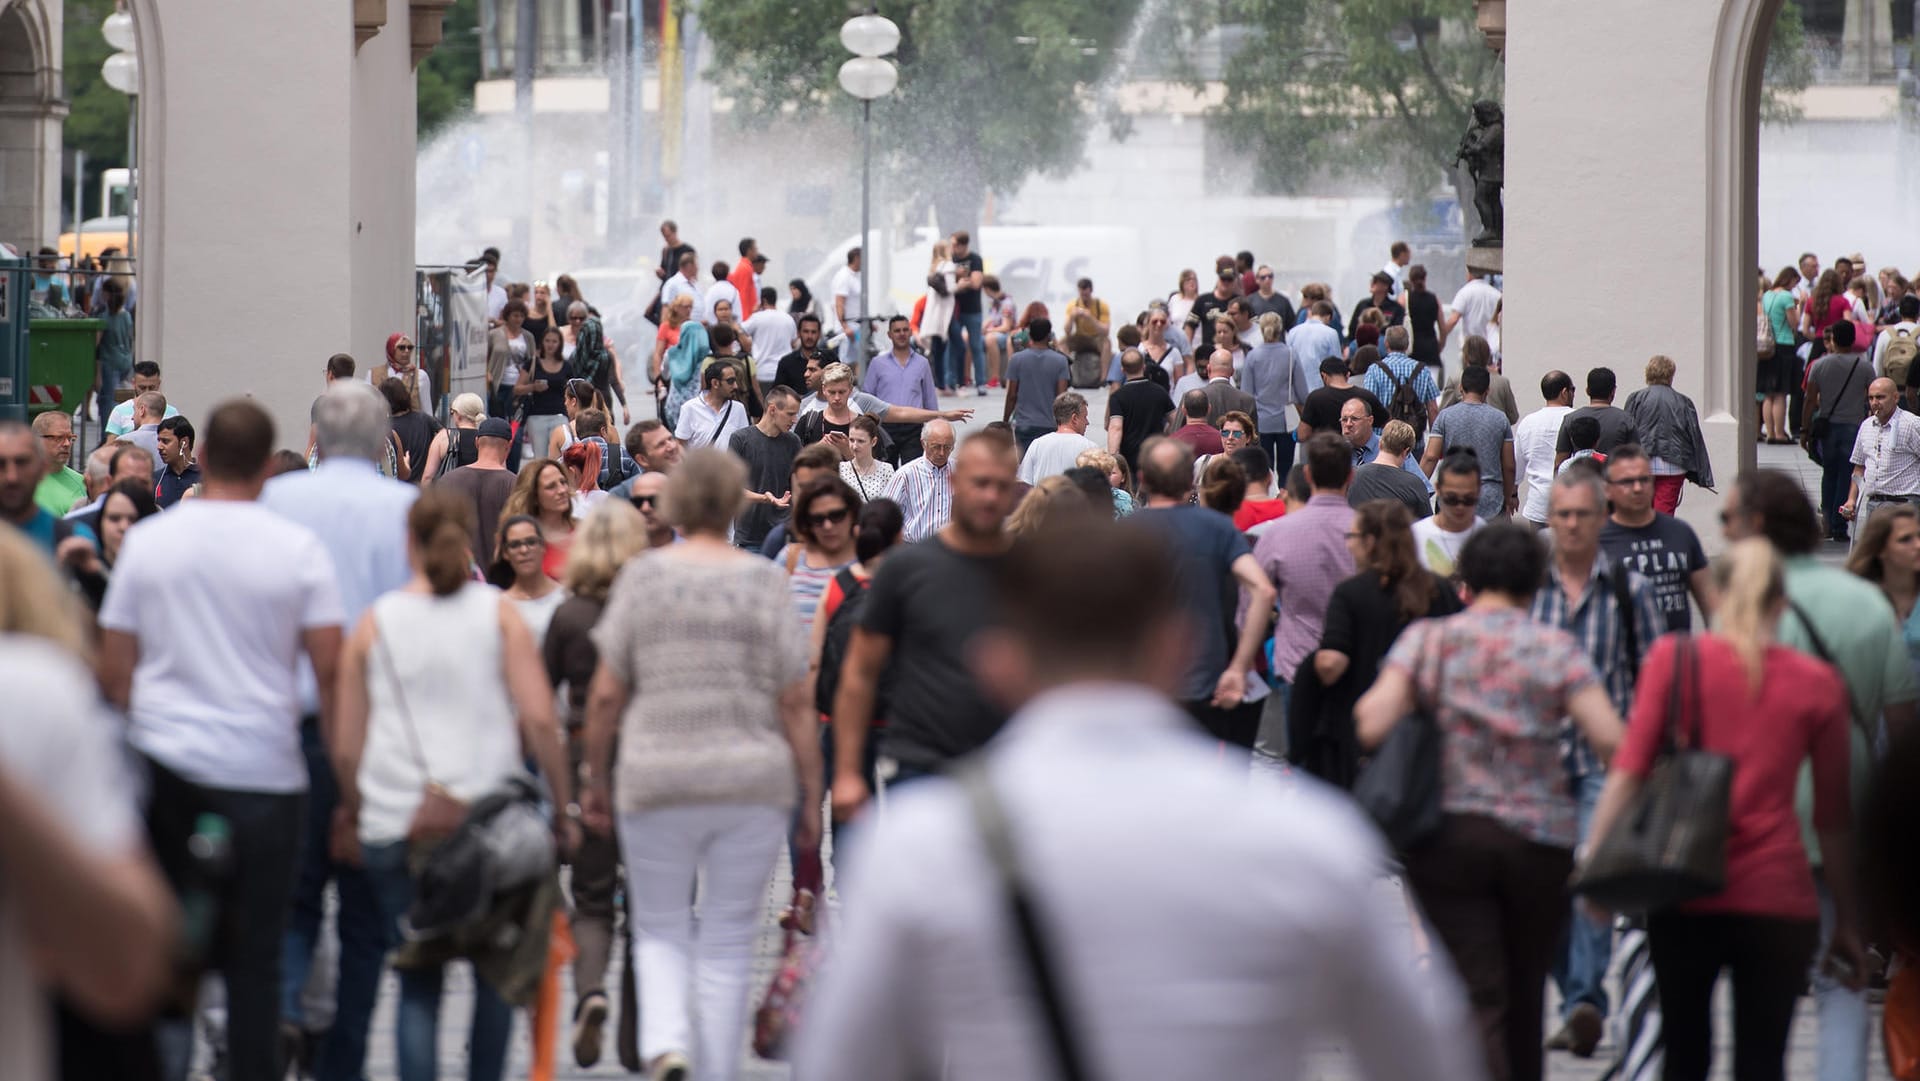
{"x": 1595, "y": 621}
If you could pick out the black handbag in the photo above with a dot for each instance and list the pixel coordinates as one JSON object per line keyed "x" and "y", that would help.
{"x": 1670, "y": 844}
{"x": 1400, "y": 787}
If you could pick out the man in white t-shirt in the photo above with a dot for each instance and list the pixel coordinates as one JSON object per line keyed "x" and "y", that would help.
{"x": 847, "y": 308}
{"x": 82, "y": 908}
{"x": 1533, "y": 442}
{"x": 772, "y": 332}
{"x": 1059, "y": 450}
{"x": 710, "y": 419}
{"x": 209, "y": 611}
{"x": 1472, "y": 308}
{"x": 1398, "y": 257}
{"x": 1439, "y": 538}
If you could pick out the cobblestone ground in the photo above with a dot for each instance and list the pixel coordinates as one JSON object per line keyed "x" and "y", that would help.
{"x": 1326, "y": 1064}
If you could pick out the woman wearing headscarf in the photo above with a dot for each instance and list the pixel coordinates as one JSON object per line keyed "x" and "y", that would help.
{"x": 403, "y": 364}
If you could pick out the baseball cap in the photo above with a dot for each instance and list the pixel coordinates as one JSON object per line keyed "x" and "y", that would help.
{"x": 494, "y": 428}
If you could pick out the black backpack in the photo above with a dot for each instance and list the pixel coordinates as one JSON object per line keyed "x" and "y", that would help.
{"x": 833, "y": 649}
{"x": 1404, "y": 403}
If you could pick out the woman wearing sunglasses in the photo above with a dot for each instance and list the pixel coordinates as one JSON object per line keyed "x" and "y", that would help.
{"x": 403, "y": 364}
{"x": 822, "y": 526}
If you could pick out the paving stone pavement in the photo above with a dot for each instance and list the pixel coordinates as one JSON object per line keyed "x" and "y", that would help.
{"x": 1325, "y": 1064}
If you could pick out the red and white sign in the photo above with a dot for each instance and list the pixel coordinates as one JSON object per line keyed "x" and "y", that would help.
{"x": 47, "y": 394}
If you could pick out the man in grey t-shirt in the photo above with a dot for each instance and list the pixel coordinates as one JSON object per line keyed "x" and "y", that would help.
{"x": 1473, "y": 424}
{"x": 1035, "y": 377}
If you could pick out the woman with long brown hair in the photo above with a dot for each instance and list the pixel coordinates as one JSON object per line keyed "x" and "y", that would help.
{"x": 1389, "y": 589}
{"x": 1888, "y": 555}
{"x": 541, "y": 492}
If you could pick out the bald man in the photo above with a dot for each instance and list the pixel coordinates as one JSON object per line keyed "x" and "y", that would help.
{"x": 1222, "y": 396}
{"x": 1886, "y": 457}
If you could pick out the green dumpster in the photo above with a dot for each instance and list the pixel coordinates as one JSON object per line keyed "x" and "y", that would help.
{"x": 60, "y": 366}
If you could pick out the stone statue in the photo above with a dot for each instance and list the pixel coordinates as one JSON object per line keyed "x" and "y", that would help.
{"x": 1483, "y": 149}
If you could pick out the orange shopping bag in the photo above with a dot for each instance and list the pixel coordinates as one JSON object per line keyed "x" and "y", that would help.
{"x": 545, "y": 1016}
{"x": 1901, "y": 1023}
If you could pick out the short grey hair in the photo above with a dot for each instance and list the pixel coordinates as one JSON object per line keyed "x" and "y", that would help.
{"x": 1068, "y": 406}
{"x": 1581, "y": 480}
{"x": 581, "y": 307}
{"x": 352, "y": 420}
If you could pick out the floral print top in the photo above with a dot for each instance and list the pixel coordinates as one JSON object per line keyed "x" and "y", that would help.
{"x": 1497, "y": 683}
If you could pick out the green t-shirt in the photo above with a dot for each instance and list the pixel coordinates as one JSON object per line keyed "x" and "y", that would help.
{"x": 59, "y": 491}
{"x": 1777, "y": 303}
{"x": 1856, "y": 623}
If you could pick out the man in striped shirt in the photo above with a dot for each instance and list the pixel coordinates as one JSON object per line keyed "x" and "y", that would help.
{"x": 1611, "y": 610}
{"x": 924, "y": 486}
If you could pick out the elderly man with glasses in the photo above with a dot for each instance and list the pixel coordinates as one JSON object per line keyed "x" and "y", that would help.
{"x": 62, "y": 487}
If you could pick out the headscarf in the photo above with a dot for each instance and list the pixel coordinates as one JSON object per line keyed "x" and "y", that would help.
{"x": 413, "y": 377}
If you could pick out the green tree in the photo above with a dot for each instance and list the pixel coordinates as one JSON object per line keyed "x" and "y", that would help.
{"x": 1789, "y": 67}
{"x": 97, "y": 116}
{"x": 443, "y": 85}
{"x": 991, "y": 91}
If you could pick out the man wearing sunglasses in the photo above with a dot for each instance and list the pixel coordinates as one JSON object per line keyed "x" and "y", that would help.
{"x": 1440, "y": 538}
{"x": 647, "y": 491}
{"x": 1662, "y": 548}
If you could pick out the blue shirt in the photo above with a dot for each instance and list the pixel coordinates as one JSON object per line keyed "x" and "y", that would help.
{"x": 909, "y": 384}
{"x": 43, "y": 530}
{"x": 171, "y": 486}
{"x": 361, "y": 520}
{"x": 1407, "y": 370}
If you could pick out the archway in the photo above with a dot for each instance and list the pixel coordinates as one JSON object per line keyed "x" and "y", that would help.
{"x": 30, "y": 115}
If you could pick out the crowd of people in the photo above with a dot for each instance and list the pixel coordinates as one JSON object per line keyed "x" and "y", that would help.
{"x": 1078, "y": 704}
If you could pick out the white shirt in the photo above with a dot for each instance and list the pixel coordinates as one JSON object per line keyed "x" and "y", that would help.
{"x": 496, "y": 301}
{"x": 701, "y": 425}
{"x": 1053, "y": 454}
{"x": 1889, "y": 452}
{"x": 1398, "y": 273}
{"x": 1263, "y": 935}
{"x": 773, "y": 333}
{"x": 1533, "y": 442}
{"x": 846, "y": 283}
{"x": 1475, "y": 303}
{"x": 676, "y": 287}
{"x": 925, "y": 495}
{"x": 1439, "y": 549}
{"x": 717, "y": 292}
{"x": 218, "y": 594}
{"x": 61, "y": 745}
{"x": 1885, "y": 338}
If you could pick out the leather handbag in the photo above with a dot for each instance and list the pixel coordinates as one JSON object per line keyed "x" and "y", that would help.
{"x": 440, "y": 811}
{"x": 1400, "y": 787}
{"x": 1670, "y": 844}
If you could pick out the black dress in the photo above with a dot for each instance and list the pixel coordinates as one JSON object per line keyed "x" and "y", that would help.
{"x": 1423, "y": 314}
{"x": 1363, "y": 620}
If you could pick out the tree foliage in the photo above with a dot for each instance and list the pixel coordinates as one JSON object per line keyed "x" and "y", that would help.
{"x": 1362, "y": 89}
{"x": 443, "y": 85}
{"x": 991, "y": 91}
{"x": 1789, "y": 67}
{"x": 97, "y": 116}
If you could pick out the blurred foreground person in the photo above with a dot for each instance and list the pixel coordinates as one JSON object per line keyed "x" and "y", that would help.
{"x": 1260, "y": 935}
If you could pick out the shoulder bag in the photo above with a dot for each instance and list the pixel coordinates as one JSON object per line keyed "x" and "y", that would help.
{"x": 1823, "y": 421}
{"x": 713, "y": 437}
{"x": 990, "y": 819}
{"x": 440, "y": 811}
{"x": 1400, "y": 786}
{"x": 1670, "y": 844}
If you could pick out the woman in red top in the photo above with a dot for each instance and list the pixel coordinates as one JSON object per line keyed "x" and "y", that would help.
{"x": 1769, "y": 708}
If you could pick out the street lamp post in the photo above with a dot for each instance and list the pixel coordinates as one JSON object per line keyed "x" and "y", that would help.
{"x": 121, "y": 71}
{"x": 870, "y": 38}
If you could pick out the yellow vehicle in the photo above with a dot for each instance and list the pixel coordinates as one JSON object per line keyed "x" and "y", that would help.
{"x": 99, "y": 234}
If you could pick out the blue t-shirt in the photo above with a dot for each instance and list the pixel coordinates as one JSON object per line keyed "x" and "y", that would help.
{"x": 46, "y": 530}
{"x": 1039, "y": 372}
{"x": 1204, "y": 544}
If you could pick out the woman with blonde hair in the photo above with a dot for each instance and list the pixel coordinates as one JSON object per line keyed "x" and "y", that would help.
{"x": 704, "y": 682}
{"x": 440, "y": 688}
{"x": 1764, "y": 925}
{"x": 611, "y": 535}
{"x": 1185, "y": 292}
{"x": 1043, "y": 503}
{"x": 455, "y": 445}
{"x": 1888, "y": 555}
{"x": 541, "y": 492}
{"x": 1114, "y": 468}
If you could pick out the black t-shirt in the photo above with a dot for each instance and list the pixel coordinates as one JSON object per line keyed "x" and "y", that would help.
{"x": 1616, "y": 427}
{"x": 1377, "y": 481}
{"x": 552, "y": 400}
{"x": 1394, "y": 312}
{"x": 769, "y": 469}
{"x": 1321, "y": 411}
{"x": 1142, "y": 406}
{"x": 792, "y": 369}
{"x": 1424, "y": 316}
{"x": 416, "y": 431}
{"x": 1278, "y": 304}
{"x": 966, "y": 301}
{"x": 1204, "y": 310}
{"x": 1666, "y": 552}
{"x": 931, "y": 602}
{"x": 488, "y": 489}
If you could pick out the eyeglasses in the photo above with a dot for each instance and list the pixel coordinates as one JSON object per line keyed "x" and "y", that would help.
{"x": 829, "y": 517}
{"x": 642, "y": 502}
{"x": 59, "y": 438}
{"x": 1459, "y": 500}
{"x": 936, "y": 446}
{"x": 1631, "y": 482}
{"x": 524, "y": 543}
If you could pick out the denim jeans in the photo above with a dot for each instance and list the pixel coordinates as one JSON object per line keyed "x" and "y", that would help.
{"x": 110, "y": 380}
{"x": 1843, "y": 1013}
{"x": 1836, "y": 473}
{"x": 1270, "y": 743}
{"x": 417, "y": 1025}
{"x": 1580, "y": 966}
{"x": 976, "y": 342}
{"x": 1024, "y": 436}
{"x": 1279, "y": 448}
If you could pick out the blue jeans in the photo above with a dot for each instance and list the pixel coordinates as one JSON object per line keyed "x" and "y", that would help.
{"x": 110, "y": 380}
{"x": 1836, "y": 474}
{"x": 957, "y": 350}
{"x": 1843, "y": 1013}
{"x": 417, "y": 1028}
{"x": 1580, "y": 969}
{"x": 1279, "y": 448}
{"x": 1024, "y": 436}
